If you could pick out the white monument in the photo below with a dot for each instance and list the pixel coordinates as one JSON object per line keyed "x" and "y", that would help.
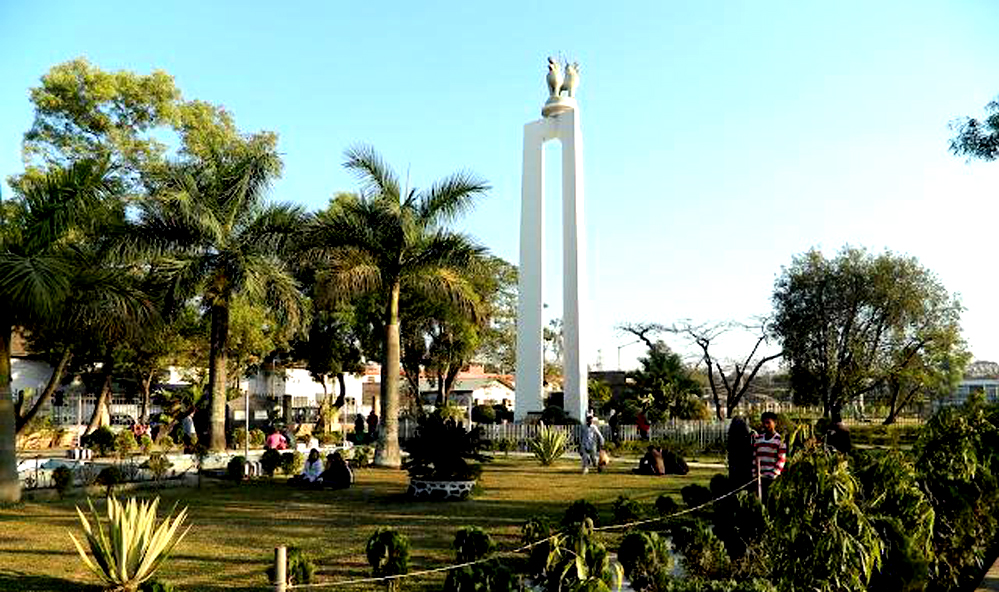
{"x": 560, "y": 122}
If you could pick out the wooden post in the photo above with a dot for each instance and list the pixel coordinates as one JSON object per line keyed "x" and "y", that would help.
{"x": 280, "y": 569}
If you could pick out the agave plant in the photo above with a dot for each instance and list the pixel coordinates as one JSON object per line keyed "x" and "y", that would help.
{"x": 133, "y": 547}
{"x": 549, "y": 445}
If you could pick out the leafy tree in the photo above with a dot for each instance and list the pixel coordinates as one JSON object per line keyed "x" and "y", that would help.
{"x": 663, "y": 385}
{"x": 210, "y": 233}
{"x": 331, "y": 352}
{"x": 390, "y": 240}
{"x": 977, "y": 138}
{"x": 852, "y": 324}
{"x": 498, "y": 346}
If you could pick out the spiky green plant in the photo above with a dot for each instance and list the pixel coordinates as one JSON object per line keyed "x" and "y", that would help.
{"x": 133, "y": 546}
{"x": 549, "y": 445}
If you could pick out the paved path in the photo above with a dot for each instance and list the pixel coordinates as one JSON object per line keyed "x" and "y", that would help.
{"x": 991, "y": 581}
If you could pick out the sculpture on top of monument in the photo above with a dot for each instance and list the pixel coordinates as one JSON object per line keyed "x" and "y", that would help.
{"x": 562, "y": 82}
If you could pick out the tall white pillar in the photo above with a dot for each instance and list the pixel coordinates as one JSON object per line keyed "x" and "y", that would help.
{"x": 562, "y": 126}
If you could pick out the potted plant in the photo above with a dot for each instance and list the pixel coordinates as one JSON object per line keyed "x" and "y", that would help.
{"x": 444, "y": 459}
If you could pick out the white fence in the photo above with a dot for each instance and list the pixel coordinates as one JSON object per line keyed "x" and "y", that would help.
{"x": 698, "y": 435}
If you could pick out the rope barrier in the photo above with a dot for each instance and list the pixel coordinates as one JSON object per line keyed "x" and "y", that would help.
{"x": 518, "y": 549}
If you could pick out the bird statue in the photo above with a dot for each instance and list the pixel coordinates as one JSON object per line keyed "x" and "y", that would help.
{"x": 554, "y": 78}
{"x": 571, "y": 80}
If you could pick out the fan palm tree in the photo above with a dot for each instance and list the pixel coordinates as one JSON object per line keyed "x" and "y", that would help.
{"x": 36, "y": 266}
{"x": 390, "y": 239}
{"x": 210, "y": 235}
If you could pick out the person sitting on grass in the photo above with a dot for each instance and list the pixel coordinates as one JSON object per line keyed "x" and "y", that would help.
{"x": 337, "y": 474}
{"x": 651, "y": 463}
{"x": 312, "y": 470}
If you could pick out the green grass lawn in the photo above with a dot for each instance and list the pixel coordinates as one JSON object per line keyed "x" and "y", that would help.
{"x": 237, "y": 527}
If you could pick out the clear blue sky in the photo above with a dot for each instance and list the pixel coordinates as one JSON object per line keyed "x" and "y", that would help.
{"x": 721, "y": 138}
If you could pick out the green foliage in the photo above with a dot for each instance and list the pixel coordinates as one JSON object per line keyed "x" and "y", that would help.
{"x": 299, "y": 568}
{"x": 362, "y": 455}
{"x": 473, "y": 544}
{"x": 101, "y": 441}
{"x": 257, "y": 438}
{"x": 957, "y": 459}
{"x": 823, "y": 319}
{"x": 165, "y": 442}
{"x": 549, "y": 445}
{"x": 578, "y": 512}
{"x": 825, "y": 536}
{"x": 239, "y": 437}
{"x": 977, "y": 138}
{"x": 483, "y": 414}
{"x": 270, "y": 461}
{"x": 388, "y": 555}
{"x": 627, "y": 510}
{"x": 666, "y": 505}
{"x": 504, "y": 445}
{"x": 647, "y": 560}
{"x": 553, "y": 415}
{"x": 703, "y": 553}
{"x": 292, "y": 463}
{"x": 62, "y": 478}
{"x": 157, "y": 586}
{"x": 694, "y": 585}
{"x": 443, "y": 450}
{"x": 578, "y": 562}
{"x": 132, "y": 547}
{"x": 109, "y": 477}
{"x": 124, "y": 443}
{"x": 331, "y": 439}
{"x": 159, "y": 465}
{"x": 236, "y": 469}
{"x": 662, "y": 386}
{"x": 145, "y": 444}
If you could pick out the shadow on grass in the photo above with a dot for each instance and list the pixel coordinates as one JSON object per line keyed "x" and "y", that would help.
{"x": 15, "y": 580}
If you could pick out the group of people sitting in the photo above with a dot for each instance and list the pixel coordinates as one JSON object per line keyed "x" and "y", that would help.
{"x": 335, "y": 474}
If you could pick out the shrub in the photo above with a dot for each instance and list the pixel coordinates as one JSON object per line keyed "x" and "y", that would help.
{"x": 109, "y": 477}
{"x": 299, "y": 568}
{"x": 647, "y": 560}
{"x": 86, "y": 474}
{"x": 257, "y": 437}
{"x": 236, "y": 469}
{"x": 472, "y": 544}
{"x": 627, "y": 510}
{"x": 483, "y": 414}
{"x": 549, "y": 445}
{"x": 270, "y": 461}
{"x": 145, "y": 444}
{"x": 330, "y": 439}
{"x": 101, "y": 441}
{"x": 238, "y": 437}
{"x": 159, "y": 465}
{"x": 292, "y": 463}
{"x": 165, "y": 442}
{"x": 124, "y": 443}
{"x": 443, "y": 450}
{"x": 132, "y": 533}
{"x": 537, "y": 528}
{"x": 388, "y": 554}
{"x": 504, "y": 445}
{"x": 578, "y": 511}
{"x": 555, "y": 415}
{"x": 577, "y": 561}
{"x": 703, "y": 553}
{"x": 666, "y": 505}
{"x": 62, "y": 478}
{"x": 157, "y": 586}
{"x": 363, "y": 455}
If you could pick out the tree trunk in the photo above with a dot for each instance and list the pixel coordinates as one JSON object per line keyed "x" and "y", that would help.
{"x": 147, "y": 384}
{"x": 96, "y": 418}
{"x": 325, "y": 409}
{"x": 387, "y": 453}
{"x": 10, "y": 486}
{"x": 217, "y": 374}
{"x": 50, "y": 389}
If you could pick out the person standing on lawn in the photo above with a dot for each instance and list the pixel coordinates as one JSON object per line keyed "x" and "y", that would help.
{"x": 769, "y": 454}
{"x": 590, "y": 443}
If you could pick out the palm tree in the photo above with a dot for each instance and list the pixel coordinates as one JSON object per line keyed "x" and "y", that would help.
{"x": 211, "y": 236}
{"x": 387, "y": 240}
{"x": 36, "y": 256}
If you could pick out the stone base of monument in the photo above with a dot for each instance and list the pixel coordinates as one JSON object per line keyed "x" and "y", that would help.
{"x": 556, "y": 105}
{"x": 425, "y": 489}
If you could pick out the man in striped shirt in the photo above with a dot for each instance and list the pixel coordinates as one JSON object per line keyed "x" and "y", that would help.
{"x": 770, "y": 453}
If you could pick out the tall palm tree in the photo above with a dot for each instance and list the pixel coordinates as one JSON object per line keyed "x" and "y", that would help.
{"x": 211, "y": 236}
{"x": 391, "y": 239}
{"x": 36, "y": 255}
